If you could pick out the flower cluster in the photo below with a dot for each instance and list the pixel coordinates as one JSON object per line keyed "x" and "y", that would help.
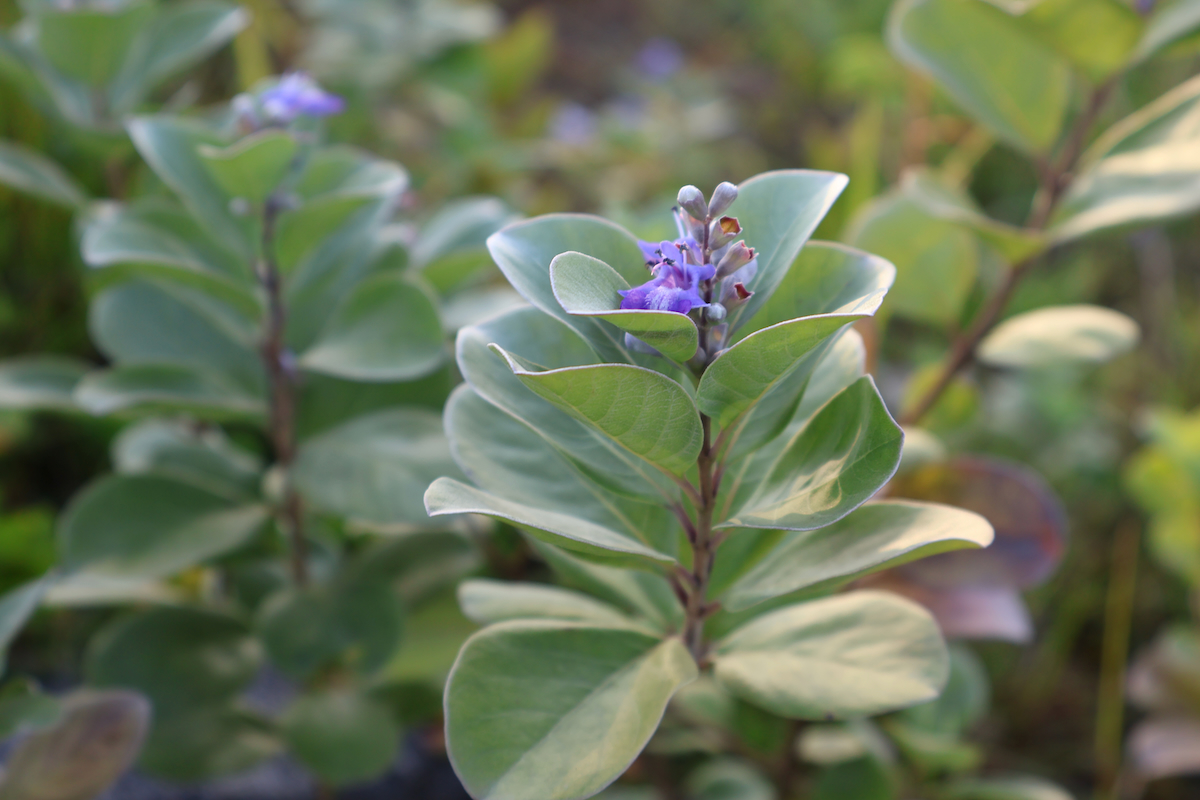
{"x": 293, "y": 96}
{"x": 705, "y": 268}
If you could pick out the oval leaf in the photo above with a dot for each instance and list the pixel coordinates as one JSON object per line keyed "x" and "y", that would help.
{"x": 833, "y": 465}
{"x": 490, "y": 601}
{"x": 387, "y": 329}
{"x": 374, "y": 469}
{"x": 150, "y": 526}
{"x": 38, "y": 382}
{"x": 556, "y": 711}
{"x": 588, "y": 287}
{"x": 448, "y": 496}
{"x": 342, "y": 735}
{"x": 252, "y": 167}
{"x": 851, "y": 655}
{"x": 27, "y": 170}
{"x": 1059, "y": 335}
{"x": 876, "y": 536}
{"x": 644, "y": 411}
{"x": 998, "y": 73}
{"x": 778, "y": 211}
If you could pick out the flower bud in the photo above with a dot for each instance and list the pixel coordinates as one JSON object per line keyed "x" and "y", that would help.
{"x": 737, "y": 257}
{"x": 735, "y": 295}
{"x": 715, "y": 312}
{"x": 722, "y": 198}
{"x": 722, "y": 231}
{"x": 691, "y": 200}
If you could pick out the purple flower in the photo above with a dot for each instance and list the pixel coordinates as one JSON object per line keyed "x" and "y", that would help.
{"x": 573, "y": 124}
{"x": 660, "y": 58}
{"x": 676, "y": 282}
{"x": 296, "y": 94}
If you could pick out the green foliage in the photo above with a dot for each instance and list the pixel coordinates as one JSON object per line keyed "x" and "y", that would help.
{"x": 574, "y": 452}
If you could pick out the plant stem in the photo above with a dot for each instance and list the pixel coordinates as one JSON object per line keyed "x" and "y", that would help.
{"x": 696, "y": 607}
{"x": 1118, "y": 619}
{"x": 1054, "y": 179}
{"x": 281, "y": 386}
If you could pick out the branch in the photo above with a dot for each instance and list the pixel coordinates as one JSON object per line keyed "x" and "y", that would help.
{"x": 1054, "y": 179}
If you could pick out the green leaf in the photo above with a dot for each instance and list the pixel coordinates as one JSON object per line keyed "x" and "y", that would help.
{"x": 342, "y": 735}
{"x": 1170, "y": 23}
{"x": 327, "y": 402}
{"x": 833, "y": 465}
{"x": 778, "y": 212}
{"x": 375, "y": 468}
{"x": 1000, "y": 74}
{"x": 549, "y": 710}
{"x": 159, "y": 650}
{"x": 448, "y": 496}
{"x": 312, "y": 628}
{"x": 253, "y": 167}
{"x": 524, "y": 250}
{"x": 646, "y": 595}
{"x": 461, "y": 226}
{"x": 23, "y": 706}
{"x": 205, "y": 743}
{"x": 40, "y": 382}
{"x": 301, "y": 231}
{"x": 187, "y": 452}
{"x": 1096, "y": 35}
{"x": 90, "y": 44}
{"x": 157, "y": 323}
{"x": 170, "y": 146}
{"x": 1057, "y": 335}
{"x": 1012, "y": 243}
{"x": 748, "y": 371}
{"x": 179, "y": 36}
{"x": 81, "y": 755}
{"x": 386, "y": 329}
{"x": 156, "y": 240}
{"x": 963, "y": 703}
{"x": 16, "y": 607}
{"x": 588, "y": 287}
{"x": 544, "y": 340}
{"x": 936, "y": 260}
{"x": 1013, "y": 788}
{"x": 851, "y": 655}
{"x": 645, "y": 412}
{"x": 27, "y": 170}
{"x": 876, "y": 536}
{"x": 827, "y": 278}
{"x": 165, "y": 388}
{"x": 505, "y": 457}
{"x": 729, "y": 779}
{"x": 863, "y": 778}
{"x": 490, "y": 601}
{"x": 150, "y": 526}
{"x": 1140, "y": 170}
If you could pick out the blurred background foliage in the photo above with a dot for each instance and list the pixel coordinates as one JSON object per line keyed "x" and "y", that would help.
{"x": 607, "y": 107}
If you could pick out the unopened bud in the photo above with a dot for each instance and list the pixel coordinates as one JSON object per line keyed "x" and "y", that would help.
{"x": 735, "y": 295}
{"x": 691, "y": 200}
{"x": 715, "y": 312}
{"x": 722, "y": 198}
{"x": 737, "y": 257}
{"x": 722, "y": 231}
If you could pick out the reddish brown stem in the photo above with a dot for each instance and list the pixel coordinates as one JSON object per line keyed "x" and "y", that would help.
{"x": 281, "y": 387}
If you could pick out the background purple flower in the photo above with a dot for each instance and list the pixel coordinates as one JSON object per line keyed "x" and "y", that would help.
{"x": 659, "y": 58}
{"x": 298, "y": 94}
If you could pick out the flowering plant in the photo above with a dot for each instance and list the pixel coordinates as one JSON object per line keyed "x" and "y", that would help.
{"x": 699, "y": 476}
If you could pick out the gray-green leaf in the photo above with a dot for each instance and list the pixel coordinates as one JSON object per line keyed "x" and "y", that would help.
{"x": 542, "y": 710}
{"x": 27, "y": 170}
{"x": 152, "y": 526}
{"x": 644, "y": 411}
{"x": 876, "y": 536}
{"x": 851, "y": 655}
{"x": 834, "y": 464}
{"x": 1059, "y": 335}
{"x": 588, "y": 287}
{"x": 1000, "y": 74}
